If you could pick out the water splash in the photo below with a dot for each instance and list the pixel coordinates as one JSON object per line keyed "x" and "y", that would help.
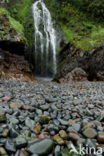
{"x": 45, "y": 40}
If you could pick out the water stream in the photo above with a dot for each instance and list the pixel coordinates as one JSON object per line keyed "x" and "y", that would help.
{"x": 44, "y": 41}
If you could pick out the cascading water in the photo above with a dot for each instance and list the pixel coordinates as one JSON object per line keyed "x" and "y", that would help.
{"x": 45, "y": 40}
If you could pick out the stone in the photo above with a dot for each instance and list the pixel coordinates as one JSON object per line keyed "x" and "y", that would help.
{"x": 56, "y": 122}
{"x": 73, "y": 136}
{"x": 41, "y": 147}
{"x": 43, "y": 135}
{"x": 100, "y": 137}
{"x": 88, "y": 125}
{"x": 10, "y": 146}
{"x": 63, "y": 122}
{"x": 45, "y": 107}
{"x": 2, "y": 116}
{"x": 14, "y": 121}
{"x": 2, "y": 151}
{"x": 90, "y": 133}
{"x": 29, "y": 123}
{"x": 4, "y": 133}
{"x": 63, "y": 134}
{"x": 76, "y": 74}
{"x": 39, "y": 111}
{"x": 15, "y": 105}
{"x": 81, "y": 141}
{"x": 13, "y": 133}
{"x": 69, "y": 144}
{"x": 90, "y": 143}
{"x": 50, "y": 99}
{"x": 101, "y": 116}
{"x": 20, "y": 142}
{"x": 6, "y": 98}
{"x": 57, "y": 151}
{"x": 37, "y": 128}
{"x": 58, "y": 139}
{"x": 44, "y": 119}
{"x": 76, "y": 127}
{"x": 23, "y": 153}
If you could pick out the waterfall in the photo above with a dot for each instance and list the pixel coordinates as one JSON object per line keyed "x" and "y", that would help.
{"x": 44, "y": 40}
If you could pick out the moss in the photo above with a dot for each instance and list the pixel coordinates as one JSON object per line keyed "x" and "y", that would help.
{"x": 15, "y": 24}
{"x": 79, "y": 28}
{"x": 21, "y": 11}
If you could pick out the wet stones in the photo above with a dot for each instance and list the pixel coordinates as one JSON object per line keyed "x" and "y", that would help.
{"x": 100, "y": 137}
{"x": 15, "y": 105}
{"x": 29, "y": 123}
{"x": 10, "y": 146}
{"x": 13, "y": 133}
{"x": 45, "y": 107}
{"x": 40, "y": 147}
{"x": 63, "y": 134}
{"x": 73, "y": 136}
{"x": 44, "y": 119}
{"x": 37, "y": 128}
{"x": 2, "y": 116}
{"x": 3, "y": 151}
{"x": 48, "y": 127}
{"x": 90, "y": 133}
{"x": 20, "y": 142}
{"x": 58, "y": 139}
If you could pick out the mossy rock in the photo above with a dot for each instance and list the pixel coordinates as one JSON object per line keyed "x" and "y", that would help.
{"x": 10, "y": 29}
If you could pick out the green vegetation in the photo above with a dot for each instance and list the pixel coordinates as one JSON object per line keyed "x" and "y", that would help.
{"x": 80, "y": 20}
{"x": 80, "y": 27}
{"x": 15, "y": 24}
{"x": 21, "y": 11}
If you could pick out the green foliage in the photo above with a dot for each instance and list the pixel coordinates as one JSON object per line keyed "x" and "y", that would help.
{"x": 21, "y": 11}
{"x": 68, "y": 33}
{"x": 94, "y": 7}
{"x": 79, "y": 28}
{"x": 15, "y": 24}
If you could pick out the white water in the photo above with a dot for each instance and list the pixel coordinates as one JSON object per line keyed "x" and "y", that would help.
{"x": 45, "y": 39}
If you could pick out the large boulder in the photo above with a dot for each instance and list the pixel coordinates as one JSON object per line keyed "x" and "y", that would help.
{"x": 90, "y": 62}
{"x": 41, "y": 147}
{"x": 76, "y": 74}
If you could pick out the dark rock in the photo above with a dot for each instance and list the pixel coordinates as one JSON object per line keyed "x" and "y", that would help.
{"x": 40, "y": 147}
{"x": 91, "y": 62}
{"x": 57, "y": 151}
{"x": 21, "y": 142}
{"x": 13, "y": 133}
{"x": 10, "y": 146}
{"x": 76, "y": 74}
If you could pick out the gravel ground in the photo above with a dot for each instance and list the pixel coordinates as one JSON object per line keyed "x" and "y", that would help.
{"x": 51, "y": 119}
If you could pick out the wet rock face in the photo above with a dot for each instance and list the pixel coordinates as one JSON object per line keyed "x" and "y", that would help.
{"x": 90, "y": 62}
{"x": 12, "y": 36}
{"x": 77, "y": 74}
{"x": 13, "y": 66}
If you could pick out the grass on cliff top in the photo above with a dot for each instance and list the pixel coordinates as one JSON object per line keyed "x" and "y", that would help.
{"x": 15, "y": 24}
{"x": 19, "y": 9}
{"x": 79, "y": 28}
